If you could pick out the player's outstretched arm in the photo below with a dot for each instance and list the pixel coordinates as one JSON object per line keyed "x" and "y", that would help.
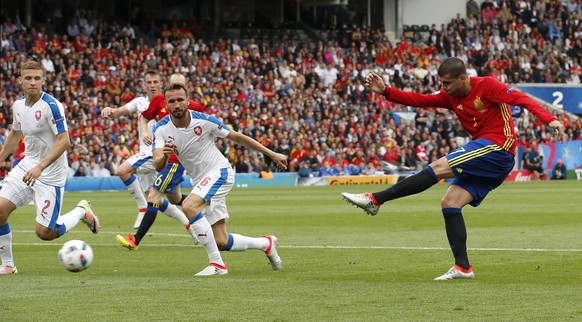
{"x": 375, "y": 83}
{"x": 114, "y": 112}
{"x": 279, "y": 159}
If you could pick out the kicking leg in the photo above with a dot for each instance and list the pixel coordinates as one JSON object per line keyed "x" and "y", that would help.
{"x": 414, "y": 184}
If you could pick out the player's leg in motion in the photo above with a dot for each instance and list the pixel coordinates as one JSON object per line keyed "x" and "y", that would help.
{"x": 452, "y": 204}
{"x": 222, "y": 181}
{"x": 239, "y": 243}
{"x": 199, "y": 227}
{"x": 7, "y": 265}
{"x": 167, "y": 180}
{"x": 49, "y": 223}
{"x": 414, "y": 184}
{"x": 126, "y": 173}
{"x": 131, "y": 242}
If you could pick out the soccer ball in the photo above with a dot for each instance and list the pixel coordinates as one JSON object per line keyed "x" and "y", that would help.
{"x": 76, "y": 255}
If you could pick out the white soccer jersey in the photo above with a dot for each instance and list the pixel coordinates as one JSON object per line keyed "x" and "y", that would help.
{"x": 195, "y": 147}
{"x": 140, "y": 104}
{"x": 40, "y": 124}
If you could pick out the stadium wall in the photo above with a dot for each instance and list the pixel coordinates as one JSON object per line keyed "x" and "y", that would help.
{"x": 241, "y": 181}
{"x": 421, "y": 12}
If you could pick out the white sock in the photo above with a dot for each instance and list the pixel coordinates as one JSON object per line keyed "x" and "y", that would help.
{"x": 71, "y": 218}
{"x": 241, "y": 243}
{"x": 134, "y": 189}
{"x": 6, "y": 250}
{"x": 200, "y": 228}
{"x": 174, "y": 212}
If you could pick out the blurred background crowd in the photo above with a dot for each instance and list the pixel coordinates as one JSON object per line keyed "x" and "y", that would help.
{"x": 301, "y": 97}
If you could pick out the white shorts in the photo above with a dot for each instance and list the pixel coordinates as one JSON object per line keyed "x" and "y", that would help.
{"x": 48, "y": 199}
{"x": 143, "y": 163}
{"x": 214, "y": 187}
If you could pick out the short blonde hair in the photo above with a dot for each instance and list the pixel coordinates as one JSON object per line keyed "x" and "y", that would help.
{"x": 31, "y": 64}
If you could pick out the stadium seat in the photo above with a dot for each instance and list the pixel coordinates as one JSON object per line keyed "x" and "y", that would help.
{"x": 425, "y": 32}
{"x": 407, "y": 32}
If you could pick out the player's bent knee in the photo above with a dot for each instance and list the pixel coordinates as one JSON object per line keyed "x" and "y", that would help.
{"x": 449, "y": 202}
{"x": 46, "y": 234}
{"x": 123, "y": 175}
{"x": 154, "y": 196}
{"x": 174, "y": 200}
{"x": 193, "y": 205}
{"x": 222, "y": 244}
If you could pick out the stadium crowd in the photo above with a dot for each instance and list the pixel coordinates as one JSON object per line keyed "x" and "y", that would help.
{"x": 305, "y": 100}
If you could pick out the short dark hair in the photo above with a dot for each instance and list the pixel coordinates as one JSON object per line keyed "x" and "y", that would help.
{"x": 175, "y": 86}
{"x": 452, "y": 67}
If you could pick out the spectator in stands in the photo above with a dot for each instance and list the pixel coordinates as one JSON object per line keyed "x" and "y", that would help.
{"x": 421, "y": 118}
{"x": 104, "y": 48}
{"x": 408, "y": 159}
{"x": 533, "y": 161}
{"x": 421, "y": 154}
{"x": 370, "y": 169}
{"x": 80, "y": 172}
{"x": 472, "y": 8}
{"x": 352, "y": 170}
{"x": 266, "y": 172}
{"x": 559, "y": 171}
{"x": 305, "y": 170}
{"x": 241, "y": 165}
{"x": 326, "y": 169}
{"x": 128, "y": 31}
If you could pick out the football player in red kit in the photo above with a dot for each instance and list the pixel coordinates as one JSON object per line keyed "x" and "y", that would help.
{"x": 482, "y": 106}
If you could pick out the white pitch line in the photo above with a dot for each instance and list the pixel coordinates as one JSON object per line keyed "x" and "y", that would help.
{"x": 549, "y": 250}
{"x": 541, "y": 250}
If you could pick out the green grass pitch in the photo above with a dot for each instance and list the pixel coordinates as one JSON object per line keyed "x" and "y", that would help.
{"x": 525, "y": 243}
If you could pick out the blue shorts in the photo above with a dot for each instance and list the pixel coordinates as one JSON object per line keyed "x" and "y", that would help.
{"x": 480, "y": 166}
{"x": 168, "y": 179}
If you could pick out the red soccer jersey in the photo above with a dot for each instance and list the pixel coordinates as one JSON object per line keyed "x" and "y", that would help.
{"x": 157, "y": 110}
{"x": 484, "y": 112}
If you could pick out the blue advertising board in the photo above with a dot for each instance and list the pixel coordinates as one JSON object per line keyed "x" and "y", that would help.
{"x": 283, "y": 179}
{"x": 564, "y": 96}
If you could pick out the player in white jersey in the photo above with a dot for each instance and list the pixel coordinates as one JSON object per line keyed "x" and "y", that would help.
{"x": 141, "y": 163}
{"x": 167, "y": 181}
{"x": 41, "y": 175}
{"x": 190, "y": 135}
